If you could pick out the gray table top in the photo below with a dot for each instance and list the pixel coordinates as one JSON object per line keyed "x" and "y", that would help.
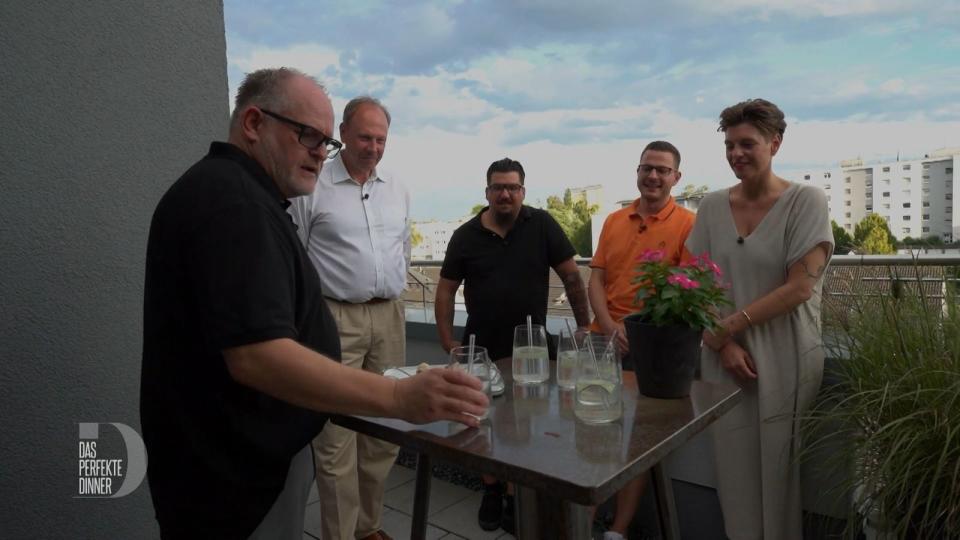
{"x": 533, "y": 438}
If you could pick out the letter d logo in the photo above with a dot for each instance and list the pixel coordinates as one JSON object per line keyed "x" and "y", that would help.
{"x": 136, "y": 454}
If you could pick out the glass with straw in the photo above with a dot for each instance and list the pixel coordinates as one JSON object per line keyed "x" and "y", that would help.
{"x": 597, "y": 396}
{"x": 568, "y": 356}
{"x": 474, "y": 360}
{"x": 531, "y": 363}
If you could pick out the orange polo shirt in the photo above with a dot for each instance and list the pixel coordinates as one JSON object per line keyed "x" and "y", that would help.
{"x": 624, "y": 237}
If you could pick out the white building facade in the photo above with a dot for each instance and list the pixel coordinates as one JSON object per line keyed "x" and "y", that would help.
{"x": 916, "y": 196}
{"x": 435, "y": 235}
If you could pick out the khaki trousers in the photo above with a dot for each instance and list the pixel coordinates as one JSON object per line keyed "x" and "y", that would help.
{"x": 284, "y": 521}
{"x": 352, "y": 468}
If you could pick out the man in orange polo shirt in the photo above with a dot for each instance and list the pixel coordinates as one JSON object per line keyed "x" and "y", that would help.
{"x": 653, "y": 221}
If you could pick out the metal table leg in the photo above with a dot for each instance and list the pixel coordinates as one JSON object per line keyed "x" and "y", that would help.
{"x": 579, "y": 521}
{"x": 421, "y": 498}
{"x": 539, "y": 515}
{"x": 526, "y": 515}
{"x": 666, "y": 506}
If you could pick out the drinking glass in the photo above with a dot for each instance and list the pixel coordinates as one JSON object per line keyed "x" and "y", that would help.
{"x": 568, "y": 359}
{"x": 482, "y": 369}
{"x": 597, "y": 398}
{"x": 531, "y": 364}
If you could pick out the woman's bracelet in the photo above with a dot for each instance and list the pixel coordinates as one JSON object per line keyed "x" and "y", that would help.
{"x": 747, "y": 317}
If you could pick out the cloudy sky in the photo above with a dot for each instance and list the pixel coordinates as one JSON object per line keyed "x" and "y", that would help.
{"x": 575, "y": 89}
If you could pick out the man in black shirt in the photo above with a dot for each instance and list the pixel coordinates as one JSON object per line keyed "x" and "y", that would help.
{"x": 504, "y": 256}
{"x": 240, "y": 349}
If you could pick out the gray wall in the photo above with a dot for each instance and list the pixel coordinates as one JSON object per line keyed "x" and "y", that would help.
{"x": 102, "y": 105}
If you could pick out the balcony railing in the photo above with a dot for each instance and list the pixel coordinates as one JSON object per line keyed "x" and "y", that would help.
{"x": 846, "y": 275}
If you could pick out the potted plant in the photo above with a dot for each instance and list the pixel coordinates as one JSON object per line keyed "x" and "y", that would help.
{"x": 892, "y": 416}
{"x": 677, "y": 303}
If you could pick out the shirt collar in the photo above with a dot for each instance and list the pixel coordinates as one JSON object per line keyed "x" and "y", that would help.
{"x": 525, "y": 213}
{"x": 340, "y": 175}
{"x": 234, "y": 153}
{"x": 662, "y": 215}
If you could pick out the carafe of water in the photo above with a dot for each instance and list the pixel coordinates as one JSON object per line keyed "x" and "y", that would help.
{"x": 597, "y": 397}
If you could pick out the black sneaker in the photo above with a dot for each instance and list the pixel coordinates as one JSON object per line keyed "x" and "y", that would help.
{"x": 509, "y": 524}
{"x": 491, "y": 507}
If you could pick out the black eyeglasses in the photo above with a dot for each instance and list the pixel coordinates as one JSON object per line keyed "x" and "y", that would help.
{"x": 645, "y": 170}
{"x": 512, "y": 188}
{"x": 310, "y": 137}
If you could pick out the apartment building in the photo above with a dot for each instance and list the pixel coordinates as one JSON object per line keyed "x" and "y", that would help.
{"x": 589, "y": 194}
{"x": 435, "y": 235}
{"x": 916, "y": 196}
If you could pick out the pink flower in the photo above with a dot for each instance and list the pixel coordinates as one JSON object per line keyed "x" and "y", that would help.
{"x": 683, "y": 281}
{"x": 651, "y": 255}
{"x": 714, "y": 268}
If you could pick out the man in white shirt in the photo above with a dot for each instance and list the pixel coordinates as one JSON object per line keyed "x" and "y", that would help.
{"x": 356, "y": 229}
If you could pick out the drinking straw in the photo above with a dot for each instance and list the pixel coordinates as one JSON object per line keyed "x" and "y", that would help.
{"x": 609, "y": 348}
{"x": 593, "y": 355}
{"x": 529, "y": 331}
{"x": 573, "y": 336}
{"x": 473, "y": 343}
{"x": 596, "y": 368}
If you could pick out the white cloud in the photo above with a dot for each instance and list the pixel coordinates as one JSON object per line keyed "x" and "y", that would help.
{"x": 557, "y": 100}
{"x": 441, "y": 165}
{"x": 851, "y": 88}
{"x": 893, "y": 86}
{"x": 828, "y": 142}
{"x": 808, "y": 8}
{"x": 421, "y": 100}
{"x": 547, "y": 74}
{"x": 307, "y": 57}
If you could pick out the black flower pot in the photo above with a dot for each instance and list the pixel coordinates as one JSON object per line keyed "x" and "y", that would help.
{"x": 664, "y": 357}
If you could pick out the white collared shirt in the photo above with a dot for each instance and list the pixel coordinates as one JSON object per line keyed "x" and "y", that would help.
{"x": 358, "y": 236}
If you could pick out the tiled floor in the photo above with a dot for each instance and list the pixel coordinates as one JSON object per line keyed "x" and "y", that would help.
{"x": 452, "y": 514}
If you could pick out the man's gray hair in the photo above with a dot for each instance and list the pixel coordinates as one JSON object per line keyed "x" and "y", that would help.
{"x": 360, "y": 101}
{"x": 266, "y": 88}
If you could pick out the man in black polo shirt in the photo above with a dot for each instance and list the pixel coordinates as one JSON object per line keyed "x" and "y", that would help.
{"x": 504, "y": 256}
{"x": 239, "y": 347}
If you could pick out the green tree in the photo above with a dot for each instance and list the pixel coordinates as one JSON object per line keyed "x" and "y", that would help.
{"x": 877, "y": 243}
{"x": 842, "y": 242}
{"x": 574, "y": 219}
{"x": 476, "y": 209}
{"x": 415, "y": 237}
{"x": 928, "y": 242}
{"x": 691, "y": 190}
{"x": 872, "y": 236}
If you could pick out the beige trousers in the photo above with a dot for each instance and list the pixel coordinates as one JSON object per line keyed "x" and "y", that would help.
{"x": 352, "y": 468}
{"x": 284, "y": 521}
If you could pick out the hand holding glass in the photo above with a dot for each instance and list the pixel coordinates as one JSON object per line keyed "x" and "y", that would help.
{"x": 481, "y": 368}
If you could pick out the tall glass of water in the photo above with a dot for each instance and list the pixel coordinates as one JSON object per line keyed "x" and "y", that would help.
{"x": 568, "y": 350}
{"x": 531, "y": 364}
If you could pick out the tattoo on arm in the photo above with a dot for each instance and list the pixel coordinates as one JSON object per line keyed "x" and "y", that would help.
{"x": 577, "y": 296}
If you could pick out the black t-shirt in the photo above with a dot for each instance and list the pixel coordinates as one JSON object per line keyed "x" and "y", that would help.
{"x": 224, "y": 268}
{"x": 505, "y": 279}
